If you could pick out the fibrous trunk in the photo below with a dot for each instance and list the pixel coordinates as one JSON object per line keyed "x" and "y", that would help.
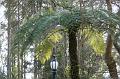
{"x": 74, "y": 71}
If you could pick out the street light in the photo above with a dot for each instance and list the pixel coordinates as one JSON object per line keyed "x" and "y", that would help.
{"x": 54, "y": 66}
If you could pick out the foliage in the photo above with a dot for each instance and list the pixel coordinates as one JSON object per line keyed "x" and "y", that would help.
{"x": 90, "y": 63}
{"x": 67, "y": 71}
{"x": 117, "y": 37}
{"x": 101, "y": 19}
{"x": 33, "y": 30}
{"x": 37, "y": 28}
{"x": 3, "y": 75}
{"x": 70, "y": 19}
{"x": 95, "y": 40}
{"x": 44, "y": 49}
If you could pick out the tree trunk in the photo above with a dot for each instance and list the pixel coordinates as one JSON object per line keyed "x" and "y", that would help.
{"x": 18, "y": 49}
{"x": 35, "y": 68}
{"x": 81, "y": 56}
{"x": 74, "y": 71}
{"x": 9, "y": 42}
{"x": 109, "y": 59}
{"x": 108, "y": 54}
{"x": 65, "y": 53}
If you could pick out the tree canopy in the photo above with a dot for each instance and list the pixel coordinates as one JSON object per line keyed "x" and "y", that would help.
{"x": 38, "y": 26}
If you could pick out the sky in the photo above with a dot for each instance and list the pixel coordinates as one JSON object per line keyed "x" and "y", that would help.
{"x": 3, "y": 50}
{"x": 2, "y": 17}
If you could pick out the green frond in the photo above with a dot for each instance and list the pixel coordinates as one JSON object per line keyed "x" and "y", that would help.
{"x": 37, "y": 27}
{"x": 101, "y": 17}
{"x": 96, "y": 41}
{"x": 54, "y": 37}
{"x": 44, "y": 49}
{"x": 70, "y": 19}
{"x": 34, "y": 30}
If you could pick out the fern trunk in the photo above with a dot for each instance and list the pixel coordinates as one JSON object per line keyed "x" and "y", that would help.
{"x": 74, "y": 71}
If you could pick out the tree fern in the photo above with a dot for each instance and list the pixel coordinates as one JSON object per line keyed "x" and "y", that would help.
{"x": 37, "y": 27}
{"x": 34, "y": 30}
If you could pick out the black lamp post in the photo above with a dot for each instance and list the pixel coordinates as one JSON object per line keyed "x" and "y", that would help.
{"x": 54, "y": 65}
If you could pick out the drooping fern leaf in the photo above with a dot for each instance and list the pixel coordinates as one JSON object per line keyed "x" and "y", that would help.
{"x": 34, "y": 30}
{"x": 94, "y": 39}
{"x": 44, "y": 49}
{"x": 37, "y": 28}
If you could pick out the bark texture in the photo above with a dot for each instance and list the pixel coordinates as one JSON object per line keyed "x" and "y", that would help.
{"x": 109, "y": 59}
{"x": 9, "y": 42}
{"x": 74, "y": 71}
{"x": 108, "y": 54}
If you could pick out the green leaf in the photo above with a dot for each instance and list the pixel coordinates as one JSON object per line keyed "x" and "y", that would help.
{"x": 97, "y": 42}
{"x": 38, "y": 26}
{"x": 44, "y": 49}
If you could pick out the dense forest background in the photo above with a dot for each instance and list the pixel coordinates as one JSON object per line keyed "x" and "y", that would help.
{"x": 84, "y": 35}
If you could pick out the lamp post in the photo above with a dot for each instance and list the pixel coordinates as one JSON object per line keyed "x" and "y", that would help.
{"x": 54, "y": 65}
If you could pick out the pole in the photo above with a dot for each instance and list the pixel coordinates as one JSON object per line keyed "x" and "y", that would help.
{"x": 54, "y": 74}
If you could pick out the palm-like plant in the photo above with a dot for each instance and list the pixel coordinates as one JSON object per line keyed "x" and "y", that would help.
{"x": 37, "y": 27}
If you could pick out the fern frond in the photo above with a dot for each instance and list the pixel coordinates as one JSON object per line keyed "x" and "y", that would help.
{"x": 34, "y": 30}
{"x": 96, "y": 41}
{"x": 37, "y": 28}
{"x": 44, "y": 49}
